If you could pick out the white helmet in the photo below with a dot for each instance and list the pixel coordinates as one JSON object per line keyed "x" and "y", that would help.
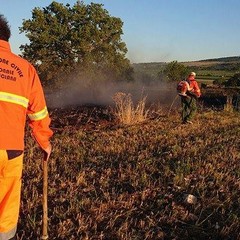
{"x": 193, "y": 74}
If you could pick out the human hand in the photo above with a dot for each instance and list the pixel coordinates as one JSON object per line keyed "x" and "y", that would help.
{"x": 46, "y": 152}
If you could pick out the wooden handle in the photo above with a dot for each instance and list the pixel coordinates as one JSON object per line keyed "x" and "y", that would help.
{"x": 45, "y": 204}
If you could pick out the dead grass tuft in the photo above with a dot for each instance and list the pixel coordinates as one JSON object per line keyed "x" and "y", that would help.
{"x": 125, "y": 110}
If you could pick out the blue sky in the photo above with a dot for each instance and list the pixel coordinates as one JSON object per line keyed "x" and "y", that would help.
{"x": 157, "y": 30}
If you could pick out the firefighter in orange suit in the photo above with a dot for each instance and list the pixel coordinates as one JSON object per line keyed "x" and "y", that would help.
{"x": 21, "y": 95}
{"x": 189, "y": 102}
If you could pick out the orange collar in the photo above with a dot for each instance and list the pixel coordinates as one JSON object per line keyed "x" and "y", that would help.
{"x": 4, "y": 45}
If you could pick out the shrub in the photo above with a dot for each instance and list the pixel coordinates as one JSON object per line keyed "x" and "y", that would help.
{"x": 234, "y": 81}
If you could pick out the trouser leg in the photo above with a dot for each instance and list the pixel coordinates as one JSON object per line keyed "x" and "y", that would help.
{"x": 185, "y": 108}
{"x": 10, "y": 182}
{"x": 193, "y": 108}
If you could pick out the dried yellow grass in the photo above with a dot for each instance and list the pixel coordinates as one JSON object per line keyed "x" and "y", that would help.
{"x": 125, "y": 110}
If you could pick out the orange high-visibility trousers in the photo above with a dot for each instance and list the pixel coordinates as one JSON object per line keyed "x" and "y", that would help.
{"x": 10, "y": 191}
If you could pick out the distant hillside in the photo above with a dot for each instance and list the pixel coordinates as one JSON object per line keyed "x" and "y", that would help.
{"x": 224, "y": 63}
{"x": 207, "y": 69}
{"x": 215, "y": 69}
{"x": 223, "y": 59}
{"x": 212, "y": 61}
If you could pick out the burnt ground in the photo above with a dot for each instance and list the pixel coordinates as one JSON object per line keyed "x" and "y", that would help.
{"x": 87, "y": 117}
{"x": 90, "y": 117}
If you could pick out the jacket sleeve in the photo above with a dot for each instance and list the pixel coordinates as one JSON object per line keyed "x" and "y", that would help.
{"x": 196, "y": 89}
{"x": 38, "y": 113}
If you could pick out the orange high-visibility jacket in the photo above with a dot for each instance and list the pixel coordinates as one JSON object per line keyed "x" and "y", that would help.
{"x": 21, "y": 94}
{"x": 193, "y": 86}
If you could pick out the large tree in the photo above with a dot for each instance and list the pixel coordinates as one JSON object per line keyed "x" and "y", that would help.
{"x": 65, "y": 39}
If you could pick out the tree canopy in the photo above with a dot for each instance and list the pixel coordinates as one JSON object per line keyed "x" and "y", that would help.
{"x": 174, "y": 71}
{"x": 65, "y": 39}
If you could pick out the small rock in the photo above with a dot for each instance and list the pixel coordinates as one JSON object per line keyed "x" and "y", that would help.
{"x": 190, "y": 199}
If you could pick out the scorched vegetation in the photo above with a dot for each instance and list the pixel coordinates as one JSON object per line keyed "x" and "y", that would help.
{"x": 128, "y": 182}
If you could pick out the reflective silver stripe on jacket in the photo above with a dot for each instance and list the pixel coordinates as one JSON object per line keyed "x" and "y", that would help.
{"x": 9, "y": 234}
{"x": 39, "y": 115}
{"x": 13, "y": 98}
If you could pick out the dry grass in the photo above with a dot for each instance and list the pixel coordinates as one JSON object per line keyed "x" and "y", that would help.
{"x": 125, "y": 111}
{"x": 129, "y": 182}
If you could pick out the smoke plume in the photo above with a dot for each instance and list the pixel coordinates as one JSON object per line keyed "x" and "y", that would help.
{"x": 82, "y": 91}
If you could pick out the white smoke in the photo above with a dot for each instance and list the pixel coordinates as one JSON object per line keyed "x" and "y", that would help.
{"x": 83, "y": 92}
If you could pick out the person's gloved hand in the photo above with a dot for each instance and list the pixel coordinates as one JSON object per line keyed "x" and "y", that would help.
{"x": 47, "y": 151}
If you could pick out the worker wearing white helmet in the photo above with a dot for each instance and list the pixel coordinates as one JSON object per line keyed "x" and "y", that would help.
{"x": 192, "y": 74}
{"x": 189, "y": 102}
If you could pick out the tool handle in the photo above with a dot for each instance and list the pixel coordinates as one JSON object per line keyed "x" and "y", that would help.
{"x": 45, "y": 204}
